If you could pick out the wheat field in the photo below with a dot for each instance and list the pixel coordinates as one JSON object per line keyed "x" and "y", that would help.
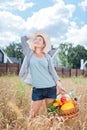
{"x": 15, "y": 98}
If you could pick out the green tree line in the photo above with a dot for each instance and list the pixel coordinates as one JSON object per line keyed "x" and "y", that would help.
{"x": 14, "y": 50}
{"x": 68, "y": 54}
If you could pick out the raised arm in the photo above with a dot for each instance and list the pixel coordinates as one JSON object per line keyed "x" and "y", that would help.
{"x": 25, "y": 45}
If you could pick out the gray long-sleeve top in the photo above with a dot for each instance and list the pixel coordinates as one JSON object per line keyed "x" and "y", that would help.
{"x": 25, "y": 72}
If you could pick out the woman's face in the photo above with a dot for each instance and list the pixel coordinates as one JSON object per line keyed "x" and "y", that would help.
{"x": 39, "y": 42}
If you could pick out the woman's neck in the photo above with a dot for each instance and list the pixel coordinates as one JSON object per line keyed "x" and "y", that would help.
{"x": 38, "y": 51}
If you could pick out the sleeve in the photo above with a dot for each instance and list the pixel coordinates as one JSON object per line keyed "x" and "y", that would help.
{"x": 24, "y": 67}
{"x": 25, "y": 45}
{"x": 52, "y": 69}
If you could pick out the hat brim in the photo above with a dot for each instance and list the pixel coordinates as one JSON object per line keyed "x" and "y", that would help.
{"x": 46, "y": 38}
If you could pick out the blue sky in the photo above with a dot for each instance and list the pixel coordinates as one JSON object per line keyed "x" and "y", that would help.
{"x": 62, "y": 20}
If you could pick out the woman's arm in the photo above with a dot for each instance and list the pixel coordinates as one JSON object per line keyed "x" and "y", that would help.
{"x": 60, "y": 88}
{"x": 25, "y": 45}
{"x": 52, "y": 69}
{"x": 55, "y": 75}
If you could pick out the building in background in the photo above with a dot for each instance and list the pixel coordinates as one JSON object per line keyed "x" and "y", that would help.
{"x": 83, "y": 65}
{"x": 5, "y": 59}
{"x": 55, "y": 58}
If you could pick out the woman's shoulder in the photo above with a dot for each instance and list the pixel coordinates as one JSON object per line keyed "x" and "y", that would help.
{"x": 48, "y": 55}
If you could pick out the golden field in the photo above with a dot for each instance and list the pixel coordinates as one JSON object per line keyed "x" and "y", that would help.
{"x": 15, "y": 98}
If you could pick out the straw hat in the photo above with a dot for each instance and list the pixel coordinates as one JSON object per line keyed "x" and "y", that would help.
{"x": 46, "y": 38}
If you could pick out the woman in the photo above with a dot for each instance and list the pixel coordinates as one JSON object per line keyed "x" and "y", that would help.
{"x": 38, "y": 70}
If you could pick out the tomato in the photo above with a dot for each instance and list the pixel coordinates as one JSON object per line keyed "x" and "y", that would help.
{"x": 63, "y": 99}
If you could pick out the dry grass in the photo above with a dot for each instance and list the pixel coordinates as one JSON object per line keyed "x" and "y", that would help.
{"x": 15, "y": 100}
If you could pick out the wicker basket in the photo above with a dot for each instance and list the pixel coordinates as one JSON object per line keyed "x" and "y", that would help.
{"x": 66, "y": 114}
{"x": 69, "y": 114}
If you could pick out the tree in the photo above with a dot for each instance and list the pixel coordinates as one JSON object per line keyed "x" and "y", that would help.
{"x": 76, "y": 54}
{"x": 64, "y": 48}
{"x": 70, "y": 56}
{"x": 14, "y": 50}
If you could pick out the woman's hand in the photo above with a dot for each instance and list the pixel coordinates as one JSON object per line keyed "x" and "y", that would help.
{"x": 60, "y": 88}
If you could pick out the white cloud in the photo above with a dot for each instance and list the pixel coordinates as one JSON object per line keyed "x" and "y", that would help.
{"x": 8, "y": 37}
{"x": 15, "y": 4}
{"x": 11, "y": 27}
{"x": 74, "y": 34}
{"x": 8, "y": 21}
{"x": 50, "y": 16}
{"x": 83, "y": 4}
{"x": 77, "y": 35}
{"x": 56, "y": 20}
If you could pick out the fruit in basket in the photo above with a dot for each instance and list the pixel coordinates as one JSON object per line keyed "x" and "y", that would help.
{"x": 67, "y": 106}
{"x": 63, "y": 102}
{"x": 64, "y": 96}
{"x": 58, "y": 103}
{"x": 63, "y": 99}
{"x": 55, "y": 104}
{"x": 69, "y": 101}
{"x": 51, "y": 108}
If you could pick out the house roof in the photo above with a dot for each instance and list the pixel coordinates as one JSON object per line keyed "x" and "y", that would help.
{"x": 6, "y": 55}
{"x": 53, "y": 52}
{"x": 15, "y": 60}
